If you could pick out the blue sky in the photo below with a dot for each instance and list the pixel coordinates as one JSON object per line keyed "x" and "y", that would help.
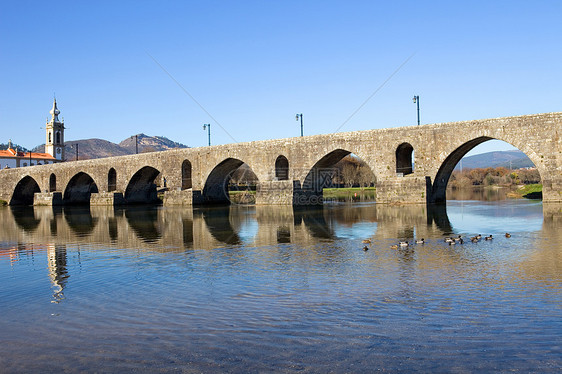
{"x": 252, "y": 65}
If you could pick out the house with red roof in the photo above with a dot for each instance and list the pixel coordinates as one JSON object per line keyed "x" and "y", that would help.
{"x": 54, "y": 146}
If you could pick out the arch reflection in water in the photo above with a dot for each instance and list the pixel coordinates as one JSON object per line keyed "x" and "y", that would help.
{"x": 174, "y": 229}
{"x": 313, "y": 218}
{"x": 210, "y": 227}
{"x": 80, "y": 220}
{"x": 144, "y": 222}
{"x": 217, "y": 220}
{"x": 24, "y": 216}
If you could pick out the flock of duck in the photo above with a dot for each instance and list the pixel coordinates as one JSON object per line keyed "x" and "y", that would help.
{"x": 450, "y": 240}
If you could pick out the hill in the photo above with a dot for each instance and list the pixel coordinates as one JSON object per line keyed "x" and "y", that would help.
{"x": 99, "y": 148}
{"x": 4, "y": 146}
{"x": 510, "y": 159}
{"x": 150, "y": 143}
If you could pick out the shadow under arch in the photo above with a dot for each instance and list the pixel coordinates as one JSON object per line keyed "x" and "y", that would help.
{"x": 142, "y": 188}
{"x": 79, "y": 189}
{"x": 111, "y": 180}
{"x": 186, "y": 181}
{"x": 282, "y": 168}
{"x": 52, "y": 182}
{"x": 321, "y": 176}
{"x": 25, "y": 191}
{"x": 216, "y": 185}
{"x": 404, "y": 159}
{"x": 437, "y": 190}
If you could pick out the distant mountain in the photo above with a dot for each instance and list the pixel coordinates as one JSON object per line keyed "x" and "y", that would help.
{"x": 99, "y": 148}
{"x": 150, "y": 143}
{"x": 514, "y": 159}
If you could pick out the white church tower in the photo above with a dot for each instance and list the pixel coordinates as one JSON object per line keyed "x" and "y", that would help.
{"x": 54, "y": 143}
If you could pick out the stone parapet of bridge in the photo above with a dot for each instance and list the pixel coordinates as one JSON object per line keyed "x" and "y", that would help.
{"x": 411, "y": 165}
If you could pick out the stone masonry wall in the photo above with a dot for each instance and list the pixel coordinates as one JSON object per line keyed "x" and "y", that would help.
{"x": 436, "y": 148}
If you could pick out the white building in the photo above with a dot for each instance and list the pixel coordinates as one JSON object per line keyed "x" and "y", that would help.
{"x": 54, "y": 146}
{"x": 12, "y": 158}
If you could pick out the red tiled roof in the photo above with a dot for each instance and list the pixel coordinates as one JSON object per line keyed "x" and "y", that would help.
{"x": 39, "y": 155}
{"x": 10, "y": 153}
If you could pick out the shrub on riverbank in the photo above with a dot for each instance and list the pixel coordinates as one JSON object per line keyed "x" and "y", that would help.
{"x": 493, "y": 176}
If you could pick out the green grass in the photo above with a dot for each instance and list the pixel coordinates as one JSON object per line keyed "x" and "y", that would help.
{"x": 532, "y": 191}
{"x": 348, "y": 192}
{"x": 333, "y": 193}
{"x": 529, "y": 191}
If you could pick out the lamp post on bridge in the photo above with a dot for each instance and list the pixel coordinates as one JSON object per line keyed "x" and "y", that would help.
{"x": 205, "y": 126}
{"x": 297, "y": 117}
{"x": 417, "y": 101}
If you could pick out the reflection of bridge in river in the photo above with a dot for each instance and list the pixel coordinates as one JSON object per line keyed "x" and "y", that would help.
{"x": 206, "y": 228}
{"x": 58, "y": 230}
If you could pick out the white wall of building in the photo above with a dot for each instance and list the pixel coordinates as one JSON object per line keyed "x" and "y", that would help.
{"x": 21, "y": 162}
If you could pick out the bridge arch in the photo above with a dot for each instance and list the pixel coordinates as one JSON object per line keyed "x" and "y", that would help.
{"x": 111, "y": 180}
{"x": 322, "y": 174}
{"x": 405, "y": 159}
{"x": 142, "y": 187}
{"x": 282, "y": 168}
{"x": 322, "y": 171}
{"x": 216, "y": 189}
{"x": 438, "y": 188}
{"x": 186, "y": 181}
{"x": 52, "y": 182}
{"x": 79, "y": 189}
{"x": 25, "y": 191}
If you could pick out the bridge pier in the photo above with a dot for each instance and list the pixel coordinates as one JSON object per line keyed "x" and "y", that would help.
{"x": 47, "y": 198}
{"x": 107, "y": 198}
{"x": 552, "y": 190}
{"x": 182, "y": 197}
{"x": 286, "y": 192}
{"x": 274, "y": 193}
{"x": 402, "y": 190}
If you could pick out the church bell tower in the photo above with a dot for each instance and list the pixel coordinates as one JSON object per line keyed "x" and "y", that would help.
{"x": 54, "y": 143}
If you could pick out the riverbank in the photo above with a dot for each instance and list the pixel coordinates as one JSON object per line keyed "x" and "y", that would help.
{"x": 528, "y": 191}
{"x": 349, "y": 193}
{"x": 495, "y": 192}
{"x": 343, "y": 194}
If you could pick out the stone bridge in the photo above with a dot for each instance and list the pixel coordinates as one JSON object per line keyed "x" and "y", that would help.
{"x": 411, "y": 165}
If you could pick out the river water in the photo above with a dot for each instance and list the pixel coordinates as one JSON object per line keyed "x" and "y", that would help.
{"x": 277, "y": 289}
